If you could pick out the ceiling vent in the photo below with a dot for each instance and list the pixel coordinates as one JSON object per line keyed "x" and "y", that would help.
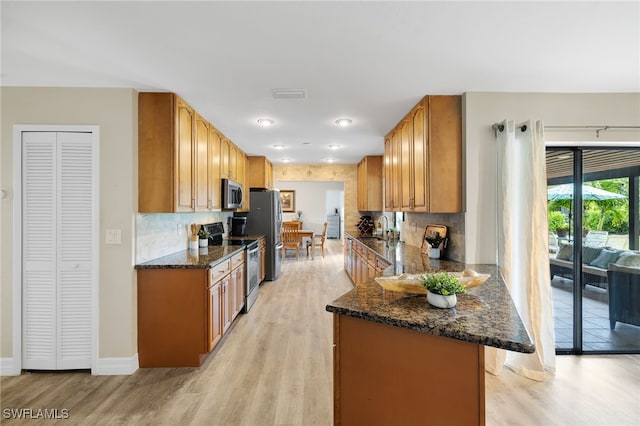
{"x": 289, "y": 93}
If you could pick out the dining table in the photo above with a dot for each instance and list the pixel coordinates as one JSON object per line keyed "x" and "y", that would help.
{"x": 307, "y": 233}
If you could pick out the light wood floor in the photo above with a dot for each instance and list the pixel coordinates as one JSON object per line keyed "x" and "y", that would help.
{"x": 275, "y": 367}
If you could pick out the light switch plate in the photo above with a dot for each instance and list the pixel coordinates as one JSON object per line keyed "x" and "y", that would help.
{"x": 113, "y": 236}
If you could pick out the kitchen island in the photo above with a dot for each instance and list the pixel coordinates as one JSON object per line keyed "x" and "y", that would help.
{"x": 398, "y": 360}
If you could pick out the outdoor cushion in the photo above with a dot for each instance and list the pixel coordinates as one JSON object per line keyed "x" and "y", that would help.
{"x": 629, "y": 259}
{"x": 565, "y": 252}
{"x": 589, "y": 254}
{"x": 605, "y": 258}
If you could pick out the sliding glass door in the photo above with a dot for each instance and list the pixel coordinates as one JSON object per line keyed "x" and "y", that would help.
{"x": 593, "y": 246}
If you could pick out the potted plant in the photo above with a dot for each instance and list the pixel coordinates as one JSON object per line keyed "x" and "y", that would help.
{"x": 562, "y": 230}
{"x": 435, "y": 240}
{"x": 203, "y": 236}
{"x": 442, "y": 289}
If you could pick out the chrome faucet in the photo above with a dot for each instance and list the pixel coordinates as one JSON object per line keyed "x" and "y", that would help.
{"x": 385, "y": 229}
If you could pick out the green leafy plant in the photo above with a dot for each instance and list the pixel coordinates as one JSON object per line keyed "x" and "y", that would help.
{"x": 556, "y": 219}
{"x": 203, "y": 234}
{"x": 442, "y": 283}
{"x": 434, "y": 240}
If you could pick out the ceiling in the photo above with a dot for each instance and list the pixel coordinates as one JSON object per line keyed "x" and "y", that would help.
{"x": 367, "y": 61}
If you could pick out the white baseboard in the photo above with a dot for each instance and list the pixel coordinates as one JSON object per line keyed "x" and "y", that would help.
{"x": 8, "y": 367}
{"x": 116, "y": 366}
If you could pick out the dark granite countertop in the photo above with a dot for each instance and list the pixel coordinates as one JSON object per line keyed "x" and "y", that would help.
{"x": 485, "y": 315}
{"x": 203, "y": 258}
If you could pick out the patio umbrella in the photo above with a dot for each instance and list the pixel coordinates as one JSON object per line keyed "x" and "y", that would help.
{"x": 565, "y": 192}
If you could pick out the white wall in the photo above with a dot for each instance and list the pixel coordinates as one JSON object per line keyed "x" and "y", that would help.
{"x": 482, "y": 109}
{"x": 115, "y": 111}
{"x": 312, "y": 199}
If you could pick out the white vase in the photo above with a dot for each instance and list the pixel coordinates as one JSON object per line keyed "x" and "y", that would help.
{"x": 434, "y": 252}
{"x": 203, "y": 242}
{"x": 441, "y": 301}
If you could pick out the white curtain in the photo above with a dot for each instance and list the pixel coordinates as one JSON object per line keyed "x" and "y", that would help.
{"x": 523, "y": 250}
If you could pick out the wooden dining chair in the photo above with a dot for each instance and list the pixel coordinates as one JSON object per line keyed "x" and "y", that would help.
{"x": 319, "y": 240}
{"x": 290, "y": 239}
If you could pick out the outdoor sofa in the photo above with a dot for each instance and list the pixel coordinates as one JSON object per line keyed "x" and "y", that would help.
{"x": 595, "y": 263}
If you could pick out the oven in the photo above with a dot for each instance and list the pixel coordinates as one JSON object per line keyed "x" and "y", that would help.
{"x": 253, "y": 266}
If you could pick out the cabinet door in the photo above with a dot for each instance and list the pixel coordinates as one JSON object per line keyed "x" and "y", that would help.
{"x": 445, "y": 154}
{"x": 388, "y": 180}
{"x": 361, "y": 197}
{"x": 215, "y": 185}
{"x": 227, "y": 303}
{"x": 233, "y": 162}
{"x": 239, "y": 290}
{"x": 269, "y": 175}
{"x": 184, "y": 157}
{"x": 420, "y": 157}
{"x": 214, "y": 323}
{"x": 201, "y": 162}
{"x": 396, "y": 172}
{"x": 406, "y": 185}
{"x": 224, "y": 158}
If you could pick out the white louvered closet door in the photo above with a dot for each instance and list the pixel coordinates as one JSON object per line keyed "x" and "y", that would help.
{"x": 58, "y": 227}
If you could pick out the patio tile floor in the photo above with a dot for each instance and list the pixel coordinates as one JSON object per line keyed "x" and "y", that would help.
{"x": 597, "y": 336}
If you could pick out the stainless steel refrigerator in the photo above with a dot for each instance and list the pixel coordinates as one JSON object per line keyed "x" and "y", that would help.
{"x": 265, "y": 218}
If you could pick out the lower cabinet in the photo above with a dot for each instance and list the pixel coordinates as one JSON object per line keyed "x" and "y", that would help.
{"x": 215, "y": 315}
{"x": 361, "y": 263}
{"x": 184, "y": 313}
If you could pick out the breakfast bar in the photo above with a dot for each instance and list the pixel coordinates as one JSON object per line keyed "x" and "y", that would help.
{"x": 398, "y": 360}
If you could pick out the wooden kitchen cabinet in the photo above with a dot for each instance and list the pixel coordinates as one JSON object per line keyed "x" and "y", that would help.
{"x": 215, "y": 183}
{"x": 229, "y": 160}
{"x": 201, "y": 163}
{"x": 182, "y": 157}
{"x": 242, "y": 168}
{"x": 261, "y": 175}
{"x": 165, "y": 154}
{"x": 423, "y": 158}
{"x": 214, "y": 329}
{"x": 361, "y": 263}
{"x": 238, "y": 284}
{"x": 184, "y": 312}
{"x": 216, "y": 319}
{"x": 369, "y": 174}
{"x": 173, "y": 317}
{"x": 371, "y": 389}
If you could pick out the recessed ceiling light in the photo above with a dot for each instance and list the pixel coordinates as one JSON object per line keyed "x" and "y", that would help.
{"x": 278, "y": 146}
{"x": 330, "y": 160}
{"x": 343, "y": 122}
{"x": 286, "y": 160}
{"x": 334, "y": 147}
{"x": 306, "y": 143}
{"x": 265, "y": 122}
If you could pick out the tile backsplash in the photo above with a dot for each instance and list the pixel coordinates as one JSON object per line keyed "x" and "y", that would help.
{"x": 160, "y": 234}
{"x": 412, "y": 230}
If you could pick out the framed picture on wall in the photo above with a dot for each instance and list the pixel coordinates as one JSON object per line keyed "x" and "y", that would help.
{"x": 288, "y": 200}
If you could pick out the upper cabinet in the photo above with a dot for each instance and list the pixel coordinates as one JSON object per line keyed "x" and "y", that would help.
{"x": 181, "y": 157}
{"x": 423, "y": 158}
{"x": 370, "y": 183}
{"x": 261, "y": 175}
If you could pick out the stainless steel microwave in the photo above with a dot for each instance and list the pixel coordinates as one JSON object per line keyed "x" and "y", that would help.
{"x": 231, "y": 195}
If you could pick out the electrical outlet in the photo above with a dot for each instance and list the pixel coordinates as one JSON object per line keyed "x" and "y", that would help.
{"x": 179, "y": 230}
{"x": 414, "y": 226}
{"x": 113, "y": 236}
